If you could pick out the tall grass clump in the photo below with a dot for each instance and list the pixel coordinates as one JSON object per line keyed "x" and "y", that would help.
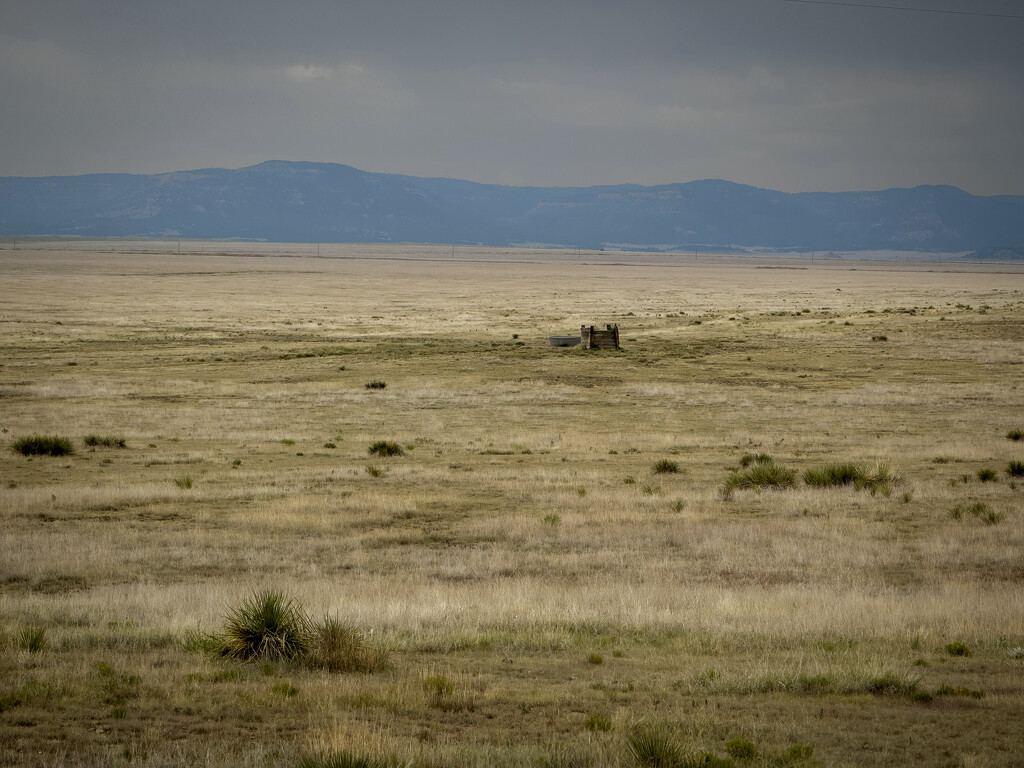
{"x": 342, "y": 759}
{"x": 337, "y": 647}
{"x": 1015, "y": 469}
{"x": 42, "y": 445}
{"x": 760, "y": 474}
{"x": 1015, "y": 434}
{"x": 267, "y": 626}
{"x": 386, "y": 448}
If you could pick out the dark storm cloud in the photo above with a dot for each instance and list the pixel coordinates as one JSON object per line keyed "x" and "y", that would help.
{"x": 773, "y": 93}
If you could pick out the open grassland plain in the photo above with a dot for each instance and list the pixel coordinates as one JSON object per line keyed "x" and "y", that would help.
{"x": 781, "y": 526}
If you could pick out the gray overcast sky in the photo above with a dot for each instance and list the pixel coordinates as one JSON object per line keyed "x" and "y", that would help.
{"x": 786, "y": 95}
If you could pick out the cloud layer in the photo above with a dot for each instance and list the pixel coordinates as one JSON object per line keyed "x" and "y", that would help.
{"x": 777, "y": 94}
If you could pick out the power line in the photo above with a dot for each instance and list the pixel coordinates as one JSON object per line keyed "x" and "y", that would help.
{"x": 907, "y": 8}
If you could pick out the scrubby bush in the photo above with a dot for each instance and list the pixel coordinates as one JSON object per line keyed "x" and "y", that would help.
{"x": 1015, "y": 434}
{"x": 376, "y": 384}
{"x": 42, "y": 445}
{"x": 1015, "y": 469}
{"x": 987, "y": 475}
{"x": 386, "y": 448}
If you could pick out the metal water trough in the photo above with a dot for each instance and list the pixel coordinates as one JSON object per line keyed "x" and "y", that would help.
{"x": 564, "y": 341}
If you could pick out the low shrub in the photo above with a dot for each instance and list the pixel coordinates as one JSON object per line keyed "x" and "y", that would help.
{"x": 267, "y": 626}
{"x": 386, "y": 448}
{"x": 373, "y": 471}
{"x": 376, "y": 384}
{"x": 96, "y": 441}
{"x": 987, "y": 475}
{"x": 42, "y": 445}
{"x": 1015, "y": 469}
{"x": 666, "y": 466}
{"x": 1015, "y": 435}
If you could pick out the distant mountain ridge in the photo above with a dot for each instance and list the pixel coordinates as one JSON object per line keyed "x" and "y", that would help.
{"x": 328, "y": 202}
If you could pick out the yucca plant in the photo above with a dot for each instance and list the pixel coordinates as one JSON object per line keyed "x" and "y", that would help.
{"x": 835, "y": 474}
{"x": 385, "y": 448}
{"x": 267, "y": 626}
{"x": 42, "y": 445}
{"x": 760, "y": 474}
{"x": 654, "y": 747}
{"x": 32, "y": 639}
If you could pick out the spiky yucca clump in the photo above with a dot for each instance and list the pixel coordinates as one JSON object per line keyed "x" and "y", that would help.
{"x": 654, "y": 747}
{"x": 835, "y": 474}
{"x": 385, "y": 448}
{"x": 666, "y": 466}
{"x": 882, "y": 476}
{"x": 267, "y": 626}
{"x": 337, "y": 647}
{"x": 42, "y": 445}
{"x": 760, "y": 474}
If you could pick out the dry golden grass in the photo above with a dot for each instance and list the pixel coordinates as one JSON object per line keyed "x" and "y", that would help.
{"x": 524, "y": 533}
